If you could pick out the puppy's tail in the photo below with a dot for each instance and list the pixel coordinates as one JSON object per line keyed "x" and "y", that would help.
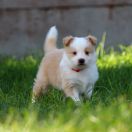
{"x": 51, "y": 39}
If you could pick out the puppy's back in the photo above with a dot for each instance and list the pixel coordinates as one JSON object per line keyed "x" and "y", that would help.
{"x": 51, "y": 64}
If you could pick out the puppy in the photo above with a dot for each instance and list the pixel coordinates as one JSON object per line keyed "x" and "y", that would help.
{"x": 72, "y": 69}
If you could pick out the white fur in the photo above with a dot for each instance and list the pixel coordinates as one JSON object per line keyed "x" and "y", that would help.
{"x": 51, "y": 38}
{"x": 83, "y": 78}
{"x": 86, "y": 78}
{"x": 53, "y": 33}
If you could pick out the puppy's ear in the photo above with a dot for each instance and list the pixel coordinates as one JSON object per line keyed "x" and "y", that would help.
{"x": 92, "y": 39}
{"x": 67, "y": 40}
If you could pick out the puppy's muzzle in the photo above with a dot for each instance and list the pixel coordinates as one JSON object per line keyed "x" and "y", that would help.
{"x": 81, "y": 61}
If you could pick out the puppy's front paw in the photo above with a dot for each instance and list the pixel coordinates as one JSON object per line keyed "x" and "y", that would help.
{"x": 78, "y": 103}
{"x": 72, "y": 102}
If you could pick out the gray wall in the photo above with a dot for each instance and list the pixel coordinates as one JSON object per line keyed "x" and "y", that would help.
{"x": 24, "y": 23}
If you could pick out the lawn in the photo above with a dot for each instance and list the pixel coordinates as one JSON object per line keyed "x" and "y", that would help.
{"x": 109, "y": 109}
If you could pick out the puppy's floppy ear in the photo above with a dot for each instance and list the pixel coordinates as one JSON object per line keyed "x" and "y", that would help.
{"x": 67, "y": 40}
{"x": 92, "y": 39}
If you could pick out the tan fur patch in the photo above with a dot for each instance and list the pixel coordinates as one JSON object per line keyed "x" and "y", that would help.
{"x": 67, "y": 41}
{"x": 90, "y": 49}
{"x": 52, "y": 62}
{"x": 68, "y": 87}
{"x": 69, "y": 51}
{"x": 92, "y": 39}
{"x": 49, "y": 45}
{"x": 49, "y": 72}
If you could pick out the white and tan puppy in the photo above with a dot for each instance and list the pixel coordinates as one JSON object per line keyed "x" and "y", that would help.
{"x": 72, "y": 69}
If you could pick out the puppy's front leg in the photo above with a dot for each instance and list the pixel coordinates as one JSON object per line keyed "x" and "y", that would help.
{"x": 89, "y": 91}
{"x": 71, "y": 91}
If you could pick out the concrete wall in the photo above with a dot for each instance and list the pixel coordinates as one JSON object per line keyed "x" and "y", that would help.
{"x": 24, "y": 23}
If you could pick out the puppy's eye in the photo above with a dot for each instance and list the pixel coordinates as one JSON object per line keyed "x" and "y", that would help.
{"x": 74, "y": 53}
{"x": 86, "y": 52}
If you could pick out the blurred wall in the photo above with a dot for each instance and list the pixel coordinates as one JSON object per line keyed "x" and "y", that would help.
{"x": 24, "y": 23}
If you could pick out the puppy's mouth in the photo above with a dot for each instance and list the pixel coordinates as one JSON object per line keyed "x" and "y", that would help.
{"x": 82, "y": 66}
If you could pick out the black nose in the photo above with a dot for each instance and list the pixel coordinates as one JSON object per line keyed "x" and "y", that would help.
{"x": 81, "y": 61}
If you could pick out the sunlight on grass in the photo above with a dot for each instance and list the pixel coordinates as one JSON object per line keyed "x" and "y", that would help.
{"x": 110, "y": 108}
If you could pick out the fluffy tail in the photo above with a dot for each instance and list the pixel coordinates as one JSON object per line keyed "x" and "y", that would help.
{"x": 51, "y": 39}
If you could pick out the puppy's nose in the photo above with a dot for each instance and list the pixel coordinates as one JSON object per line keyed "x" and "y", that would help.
{"x": 81, "y": 61}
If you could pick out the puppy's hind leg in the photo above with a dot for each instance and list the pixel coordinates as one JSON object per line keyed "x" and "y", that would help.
{"x": 40, "y": 84}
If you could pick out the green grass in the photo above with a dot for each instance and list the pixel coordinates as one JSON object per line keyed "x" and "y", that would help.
{"x": 110, "y": 108}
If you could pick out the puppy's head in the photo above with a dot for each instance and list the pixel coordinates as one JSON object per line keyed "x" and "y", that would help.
{"x": 80, "y": 51}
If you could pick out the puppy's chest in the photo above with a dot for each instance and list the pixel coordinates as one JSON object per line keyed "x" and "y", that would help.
{"x": 83, "y": 78}
{"x": 80, "y": 79}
